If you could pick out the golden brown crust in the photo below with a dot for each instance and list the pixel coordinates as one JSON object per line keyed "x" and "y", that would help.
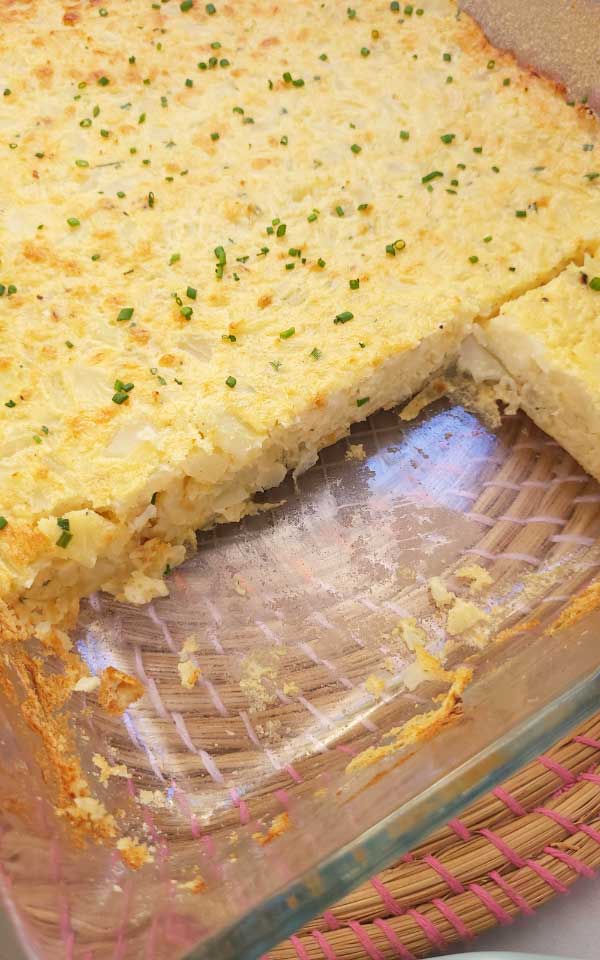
{"x": 118, "y": 691}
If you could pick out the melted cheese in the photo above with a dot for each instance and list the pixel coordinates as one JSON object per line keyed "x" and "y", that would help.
{"x": 137, "y": 143}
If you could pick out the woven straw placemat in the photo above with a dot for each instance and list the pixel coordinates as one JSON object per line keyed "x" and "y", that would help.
{"x": 511, "y": 851}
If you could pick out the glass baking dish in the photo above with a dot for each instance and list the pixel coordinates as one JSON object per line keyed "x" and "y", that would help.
{"x": 240, "y": 786}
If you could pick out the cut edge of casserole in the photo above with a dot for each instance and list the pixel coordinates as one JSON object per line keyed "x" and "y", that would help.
{"x": 547, "y": 342}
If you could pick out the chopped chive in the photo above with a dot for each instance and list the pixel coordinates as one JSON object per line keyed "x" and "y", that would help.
{"x": 186, "y": 312}
{"x": 275, "y": 364}
{"x": 351, "y": 13}
{"x": 284, "y": 141}
{"x": 447, "y": 57}
{"x": 103, "y": 81}
{"x": 477, "y": 149}
{"x": 312, "y": 217}
{"x": 397, "y": 245}
{"x": 364, "y": 51}
{"x": 487, "y": 239}
{"x": 320, "y": 262}
{"x": 315, "y": 353}
{"x": 210, "y": 9}
{"x": 354, "y": 284}
{"x": 186, "y": 5}
{"x": 3, "y": 523}
{"x": 104, "y": 133}
{"x": 473, "y": 258}
{"x": 281, "y": 230}
{"x": 82, "y": 123}
{"x": 64, "y": 539}
{"x": 125, "y": 313}
{"x": 431, "y": 176}
{"x": 73, "y": 222}
{"x": 520, "y": 213}
{"x": 356, "y": 148}
{"x": 120, "y": 397}
{"x": 10, "y": 404}
{"x": 290, "y": 266}
{"x": 361, "y": 401}
{"x": 63, "y": 523}
{"x": 395, "y": 6}
{"x": 363, "y": 206}
{"x": 69, "y": 344}
{"x": 286, "y": 334}
{"x": 81, "y": 163}
{"x": 496, "y": 169}
{"x": 340, "y": 211}
{"x": 174, "y": 258}
{"x": 506, "y": 82}
{"x": 343, "y": 317}
{"x": 592, "y": 176}
{"x": 491, "y": 64}
{"x": 230, "y": 337}
{"x": 595, "y": 284}
{"x": 231, "y": 382}
{"x": 447, "y": 137}
{"x": 191, "y": 292}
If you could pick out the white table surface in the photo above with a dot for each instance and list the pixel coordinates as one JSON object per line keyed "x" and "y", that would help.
{"x": 567, "y": 927}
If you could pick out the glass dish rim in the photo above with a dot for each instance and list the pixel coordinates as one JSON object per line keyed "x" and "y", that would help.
{"x": 263, "y": 927}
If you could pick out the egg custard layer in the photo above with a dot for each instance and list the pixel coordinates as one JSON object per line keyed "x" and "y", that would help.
{"x": 548, "y": 341}
{"x": 230, "y": 230}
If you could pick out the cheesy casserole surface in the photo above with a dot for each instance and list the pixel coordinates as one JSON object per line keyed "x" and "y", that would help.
{"x": 229, "y": 230}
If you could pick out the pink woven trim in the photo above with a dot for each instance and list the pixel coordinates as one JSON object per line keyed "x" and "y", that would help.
{"x": 493, "y": 906}
{"x": 592, "y": 777}
{"x": 574, "y": 863}
{"x": 453, "y": 882}
{"x": 558, "y": 818}
{"x": 391, "y": 905}
{"x": 366, "y": 941}
{"x": 587, "y": 741}
{"x": 511, "y": 855}
{"x": 403, "y": 952}
{"x": 516, "y": 898}
{"x": 429, "y": 929}
{"x": 509, "y": 801}
{"x": 328, "y": 951}
{"x": 591, "y": 832}
{"x": 461, "y": 830}
{"x": 566, "y": 775}
{"x": 549, "y": 877}
{"x": 332, "y": 921}
{"x": 453, "y": 919}
{"x": 300, "y": 951}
